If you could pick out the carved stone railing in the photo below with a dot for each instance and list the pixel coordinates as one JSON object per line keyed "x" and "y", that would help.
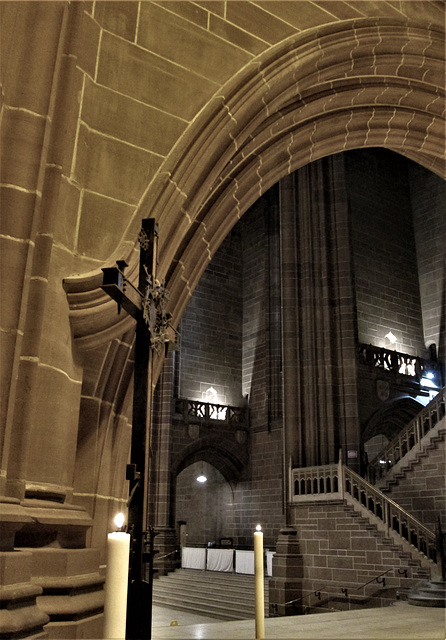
{"x": 332, "y": 482}
{"x": 197, "y": 412}
{"x": 397, "y": 362}
{"x": 314, "y": 483}
{"x": 394, "y": 517}
{"x": 408, "y": 438}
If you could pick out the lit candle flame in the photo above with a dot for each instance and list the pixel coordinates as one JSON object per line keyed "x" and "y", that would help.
{"x": 119, "y": 520}
{"x": 259, "y": 527}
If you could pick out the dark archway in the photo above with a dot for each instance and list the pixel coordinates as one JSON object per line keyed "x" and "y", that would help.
{"x": 391, "y": 418}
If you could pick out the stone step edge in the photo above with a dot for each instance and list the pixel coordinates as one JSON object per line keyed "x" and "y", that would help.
{"x": 215, "y": 611}
{"x": 206, "y": 595}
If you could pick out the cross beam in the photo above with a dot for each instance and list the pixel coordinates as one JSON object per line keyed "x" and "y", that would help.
{"x": 146, "y": 304}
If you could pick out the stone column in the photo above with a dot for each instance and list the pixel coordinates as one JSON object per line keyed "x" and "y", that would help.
{"x": 319, "y": 357}
{"x": 41, "y": 374}
{"x": 45, "y": 380}
{"x": 161, "y": 496}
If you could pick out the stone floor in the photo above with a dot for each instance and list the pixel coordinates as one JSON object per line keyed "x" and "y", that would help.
{"x": 398, "y": 622}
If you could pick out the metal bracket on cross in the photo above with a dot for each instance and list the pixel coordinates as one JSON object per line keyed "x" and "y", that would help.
{"x": 149, "y": 300}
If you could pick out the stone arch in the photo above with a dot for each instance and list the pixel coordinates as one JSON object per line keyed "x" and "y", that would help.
{"x": 355, "y": 84}
{"x": 226, "y": 456}
{"x": 391, "y": 418}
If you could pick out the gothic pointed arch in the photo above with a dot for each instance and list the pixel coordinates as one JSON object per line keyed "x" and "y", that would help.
{"x": 228, "y": 458}
{"x": 355, "y": 84}
{"x": 391, "y": 418}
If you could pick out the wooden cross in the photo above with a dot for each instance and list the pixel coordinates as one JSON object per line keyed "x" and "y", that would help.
{"x": 146, "y": 303}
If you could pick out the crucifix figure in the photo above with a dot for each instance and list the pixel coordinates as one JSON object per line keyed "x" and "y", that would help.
{"x": 146, "y": 304}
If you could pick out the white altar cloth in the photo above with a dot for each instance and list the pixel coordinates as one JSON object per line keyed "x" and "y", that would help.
{"x": 193, "y": 558}
{"x": 244, "y": 562}
{"x": 220, "y": 560}
{"x": 269, "y": 562}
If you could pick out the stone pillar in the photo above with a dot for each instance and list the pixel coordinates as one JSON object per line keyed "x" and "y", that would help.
{"x": 285, "y": 585}
{"x": 161, "y": 497}
{"x": 41, "y": 375}
{"x": 319, "y": 322}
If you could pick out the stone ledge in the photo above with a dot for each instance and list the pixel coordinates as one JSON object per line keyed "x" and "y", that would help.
{"x": 20, "y": 615}
{"x": 73, "y": 606}
{"x": 12, "y": 518}
{"x": 50, "y": 523}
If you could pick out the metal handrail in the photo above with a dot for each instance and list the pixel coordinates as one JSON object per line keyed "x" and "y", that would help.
{"x": 317, "y": 592}
{"x": 384, "y": 573}
{"x": 375, "y": 579}
{"x": 408, "y": 437}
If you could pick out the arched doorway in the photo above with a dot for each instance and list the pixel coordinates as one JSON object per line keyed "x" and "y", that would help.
{"x": 204, "y": 506}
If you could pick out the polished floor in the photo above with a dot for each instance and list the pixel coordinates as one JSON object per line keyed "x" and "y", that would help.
{"x": 398, "y": 622}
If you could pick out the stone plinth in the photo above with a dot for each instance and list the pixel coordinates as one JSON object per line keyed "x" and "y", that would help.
{"x": 51, "y": 586}
{"x": 72, "y": 591}
{"x": 286, "y": 584}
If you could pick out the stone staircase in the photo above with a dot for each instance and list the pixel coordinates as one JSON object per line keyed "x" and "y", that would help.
{"x": 428, "y": 594}
{"x": 433, "y": 440}
{"x": 422, "y": 467}
{"x": 221, "y": 595}
{"x": 419, "y": 566}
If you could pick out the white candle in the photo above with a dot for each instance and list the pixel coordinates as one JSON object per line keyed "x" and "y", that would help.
{"x": 259, "y": 589}
{"x": 116, "y": 582}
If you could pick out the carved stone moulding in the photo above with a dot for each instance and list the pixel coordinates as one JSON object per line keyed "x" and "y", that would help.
{"x": 50, "y": 523}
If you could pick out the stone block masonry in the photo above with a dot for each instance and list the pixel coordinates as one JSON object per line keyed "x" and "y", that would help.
{"x": 342, "y": 552}
{"x": 429, "y": 213}
{"x": 385, "y": 255}
{"x": 211, "y": 331}
{"x": 422, "y": 488}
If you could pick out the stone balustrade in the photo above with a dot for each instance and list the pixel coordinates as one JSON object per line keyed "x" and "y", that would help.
{"x": 334, "y": 482}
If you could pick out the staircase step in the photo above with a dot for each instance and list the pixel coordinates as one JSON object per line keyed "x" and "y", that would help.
{"x": 222, "y": 595}
{"x": 428, "y": 594}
